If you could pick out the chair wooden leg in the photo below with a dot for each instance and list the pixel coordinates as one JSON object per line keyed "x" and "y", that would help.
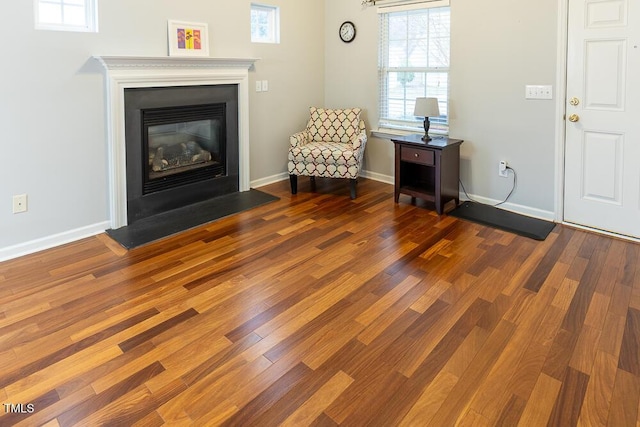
{"x": 352, "y": 186}
{"x": 293, "y": 179}
{"x": 312, "y": 180}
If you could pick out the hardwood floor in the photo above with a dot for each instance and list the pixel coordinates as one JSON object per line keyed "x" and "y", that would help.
{"x": 320, "y": 310}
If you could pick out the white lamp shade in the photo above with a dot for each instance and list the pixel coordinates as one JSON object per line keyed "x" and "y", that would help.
{"x": 426, "y": 107}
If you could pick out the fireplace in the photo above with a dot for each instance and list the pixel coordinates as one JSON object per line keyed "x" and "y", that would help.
{"x": 206, "y": 151}
{"x": 181, "y": 146}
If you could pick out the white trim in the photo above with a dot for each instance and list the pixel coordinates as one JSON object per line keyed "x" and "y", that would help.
{"x": 403, "y": 5}
{"x": 561, "y": 89}
{"x": 375, "y": 176}
{"x": 513, "y": 207}
{"x": 124, "y": 72}
{"x": 601, "y": 232}
{"x": 386, "y": 83}
{"x": 274, "y": 26}
{"x": 269, "y": 180}
{"x": 168, "y": 62}
{"x": 91, "y": 18}
{"x": 389, "y": 133}
{"x": 52, "y": 241}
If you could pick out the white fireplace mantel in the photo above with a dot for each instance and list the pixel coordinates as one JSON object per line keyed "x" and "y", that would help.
{"x": 172, "y": 62}
{"x": 124, "y": 72}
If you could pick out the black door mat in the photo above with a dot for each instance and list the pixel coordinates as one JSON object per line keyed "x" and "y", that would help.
{"x": 163, "y": 225}
{"x": 491, "y": 216}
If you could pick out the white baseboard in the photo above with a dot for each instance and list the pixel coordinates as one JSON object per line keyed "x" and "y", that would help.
{"x": 602, "y": 232}
{"x": 48, "y": 242}
{"x": 284, "y": 176}
{"x": 269, "y": 180}
{"x": 513, "y": 207}
{"x": 377, "y": 177}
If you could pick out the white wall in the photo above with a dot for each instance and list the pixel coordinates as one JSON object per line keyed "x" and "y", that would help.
{"x": 52, "y": 103}
{"x": 497, "y": 48}
{"x": 52, "y": 113}
{"x": 493, "y": 58}
{"x": 352, "y": 74}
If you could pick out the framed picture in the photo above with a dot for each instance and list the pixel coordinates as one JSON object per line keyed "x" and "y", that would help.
{"x": 188, "y": 38}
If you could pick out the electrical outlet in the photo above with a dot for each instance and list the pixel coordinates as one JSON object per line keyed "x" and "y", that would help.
{"x": 19, "y": 203}
{"x": 502, "y": 169}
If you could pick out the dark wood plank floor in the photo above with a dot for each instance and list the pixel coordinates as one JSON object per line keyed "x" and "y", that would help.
{"x": 320, "y": 310}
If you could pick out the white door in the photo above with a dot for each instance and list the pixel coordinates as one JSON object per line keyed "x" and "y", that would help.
{"x": 602, "y": 158}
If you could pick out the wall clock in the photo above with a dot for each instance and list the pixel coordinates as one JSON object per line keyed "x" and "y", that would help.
{"x": 347, "y": 31}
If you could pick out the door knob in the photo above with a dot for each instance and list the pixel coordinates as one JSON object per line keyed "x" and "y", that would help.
{"x": 574, "y": 101}
{"x": 574, "y": 118}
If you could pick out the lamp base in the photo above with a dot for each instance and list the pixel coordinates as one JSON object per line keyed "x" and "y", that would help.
{"x": 426, "y": 125}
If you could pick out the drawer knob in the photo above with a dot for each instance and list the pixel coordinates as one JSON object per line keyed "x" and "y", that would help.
{"x": 416, "y": 154}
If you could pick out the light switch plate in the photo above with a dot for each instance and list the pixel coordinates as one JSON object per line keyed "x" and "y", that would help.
{"x": 538, "y": 92}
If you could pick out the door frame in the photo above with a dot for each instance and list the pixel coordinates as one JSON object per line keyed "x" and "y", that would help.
{"x": 562, "y": 50}
{"x": 561, "y": 96}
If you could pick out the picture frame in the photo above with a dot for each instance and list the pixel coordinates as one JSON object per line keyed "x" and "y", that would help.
{"x": 188, "y": 38}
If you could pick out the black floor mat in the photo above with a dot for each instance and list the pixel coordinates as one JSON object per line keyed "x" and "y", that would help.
{"x": 504, "y": 220}
{"x": 166, "y": 224}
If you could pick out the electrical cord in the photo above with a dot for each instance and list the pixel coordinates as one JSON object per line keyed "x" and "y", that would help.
{"x": 515, "y": 182}
{"x": 513, "y": 187}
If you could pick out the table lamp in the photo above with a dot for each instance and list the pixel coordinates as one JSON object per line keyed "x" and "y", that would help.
{"x": 426, "y": 107}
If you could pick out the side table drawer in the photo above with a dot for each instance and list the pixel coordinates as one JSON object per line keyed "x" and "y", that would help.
{"x": 416, "y": 155}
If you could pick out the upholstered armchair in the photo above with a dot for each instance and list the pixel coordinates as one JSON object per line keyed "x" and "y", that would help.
{"x": 332, "y": 146}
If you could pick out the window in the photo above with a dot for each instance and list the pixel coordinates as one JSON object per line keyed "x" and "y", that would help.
{"x": 66, "y": 15}
{"x": 414, "y": 62}
{"x": 265, "y": 24}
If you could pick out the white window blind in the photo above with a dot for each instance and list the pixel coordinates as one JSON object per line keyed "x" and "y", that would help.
{"x": 414, "y": 57}
{"x": 67, "y": 15}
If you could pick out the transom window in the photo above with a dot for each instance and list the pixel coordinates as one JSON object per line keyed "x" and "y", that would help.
{"x": 265, "y": 23}
{"x": 66, "y": 15}
{"x": 414, "y": 62}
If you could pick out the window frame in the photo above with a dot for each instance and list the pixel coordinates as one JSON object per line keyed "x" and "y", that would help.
{"x": 90, "y": 21}
{"x": 392, "y": 125}
{"x": 273, "y": 25}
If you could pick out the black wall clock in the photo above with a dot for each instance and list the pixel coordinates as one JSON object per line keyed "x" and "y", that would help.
{"x": 347, "y": 31}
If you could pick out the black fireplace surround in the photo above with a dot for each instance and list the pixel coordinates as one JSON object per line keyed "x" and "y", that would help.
{"x": 182, "y": 146}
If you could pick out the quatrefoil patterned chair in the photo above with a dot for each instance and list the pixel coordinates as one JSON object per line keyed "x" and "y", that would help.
{"x": 332, "y": 146}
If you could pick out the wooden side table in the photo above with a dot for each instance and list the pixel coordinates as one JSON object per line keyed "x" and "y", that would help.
{"x": 427, "y": 170}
